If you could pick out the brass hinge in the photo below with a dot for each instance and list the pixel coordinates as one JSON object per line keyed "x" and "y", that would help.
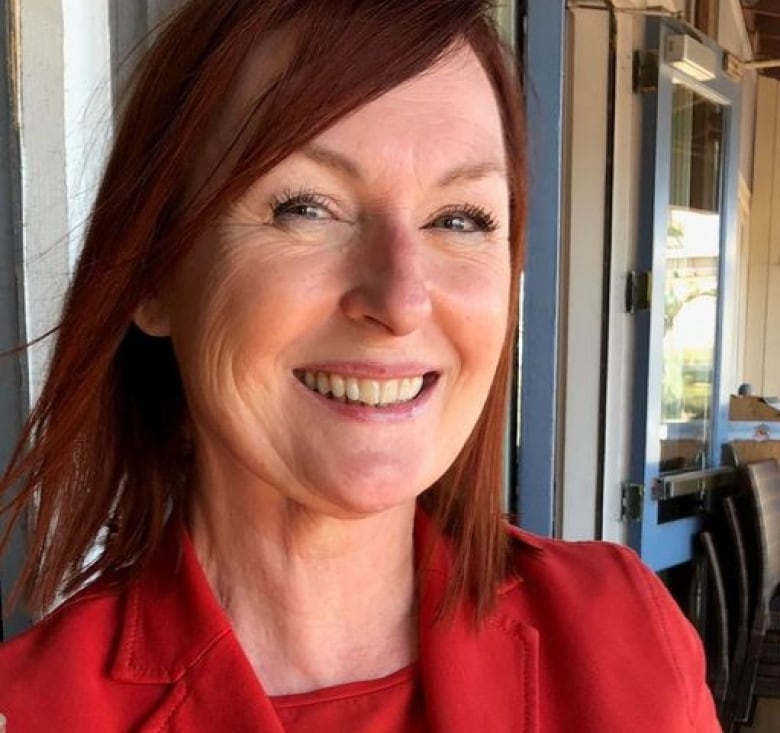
{"x": 638, "y": 290}
{"x": 632, "y": 499}
{"x": 645, "y": 71}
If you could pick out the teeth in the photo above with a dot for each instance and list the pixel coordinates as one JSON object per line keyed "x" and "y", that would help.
{"x": 323, "y": 384}
{"x": 369, "y": 391}
{"x": 372, "y": 392}
{"x": 389, "y": 392}
{"x": 353, "y": 389}
{"x": 337, "y": 386}
{"x": 410, "y": 388}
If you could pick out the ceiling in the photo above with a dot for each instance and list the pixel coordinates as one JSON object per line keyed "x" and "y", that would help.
{"x": 762, "y": 18}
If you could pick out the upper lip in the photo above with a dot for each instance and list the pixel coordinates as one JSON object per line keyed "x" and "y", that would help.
{"x": 370, "y": 370}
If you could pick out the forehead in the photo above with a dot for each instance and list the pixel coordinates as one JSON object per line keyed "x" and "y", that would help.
{"x": 442, "y": 115}
{"x": 443, "y": 118}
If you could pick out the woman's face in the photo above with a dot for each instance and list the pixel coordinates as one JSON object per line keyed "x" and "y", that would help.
{"x": 338, "y": 328}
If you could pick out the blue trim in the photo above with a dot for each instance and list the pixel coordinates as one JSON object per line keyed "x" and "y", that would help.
{"x": 544, "y": 67}
{"x": 729, "y": 251}
{"x": 13, "y": 386}
{"x": 642, "y": 362}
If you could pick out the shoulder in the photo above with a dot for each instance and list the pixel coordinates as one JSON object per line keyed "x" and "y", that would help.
{"x": 79, "y": 623}
{"x": 595, "y": 565}
{"x": 62, "y": 658}
{"x": 601, "y": 576}
{"x": 597, "y": 572}
{"x": 600, "y": 597}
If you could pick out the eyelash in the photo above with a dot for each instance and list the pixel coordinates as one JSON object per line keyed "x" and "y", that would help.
{"x": 484, "y": 220}
{"x": 290, "y": 199}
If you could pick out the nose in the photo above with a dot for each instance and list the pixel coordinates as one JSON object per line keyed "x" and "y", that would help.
{"x": 390, "y": 289}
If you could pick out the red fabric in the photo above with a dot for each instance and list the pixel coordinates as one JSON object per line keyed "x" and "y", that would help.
{"x": 587, "y": 640}
{"x": 393, "y": 704}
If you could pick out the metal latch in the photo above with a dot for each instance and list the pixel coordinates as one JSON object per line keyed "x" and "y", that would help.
{"x": 632, "y": 499}
{"x": 682, "y": 483}
{"x": 638, "y": 289}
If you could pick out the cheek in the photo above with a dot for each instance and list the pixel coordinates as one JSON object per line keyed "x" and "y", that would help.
{"x": 478, "y": 316}
{"x": 212, "y": 299}
{"x": 477, "y": 306}
{"x": 237, "y": 309}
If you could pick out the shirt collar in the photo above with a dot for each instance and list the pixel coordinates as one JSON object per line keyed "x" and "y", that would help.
{"x": 171, "y": 617}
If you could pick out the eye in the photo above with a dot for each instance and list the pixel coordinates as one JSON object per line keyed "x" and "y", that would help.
{"x": 301, "y": 205}
{"x": 465, "y": 219}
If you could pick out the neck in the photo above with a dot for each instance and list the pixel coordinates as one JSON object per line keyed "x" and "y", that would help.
{"x": 315, "y": 601}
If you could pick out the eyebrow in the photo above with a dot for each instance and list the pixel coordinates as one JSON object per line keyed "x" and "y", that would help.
{"x": 473, "y": 172}
{"x": 331, "y": 159}
{"x": 341, "y": 163}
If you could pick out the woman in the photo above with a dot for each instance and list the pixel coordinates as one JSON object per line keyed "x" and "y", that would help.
{"x": 277, "y": 401}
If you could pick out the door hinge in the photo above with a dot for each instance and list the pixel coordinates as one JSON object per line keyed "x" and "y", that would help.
{"x": 632, "y": 499}
{"x": 638, "y": 289}
{"x": 645, "y": 71}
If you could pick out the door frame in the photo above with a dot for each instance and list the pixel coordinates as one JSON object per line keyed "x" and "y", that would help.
{"x": 664, "y": 545}
{"x": 13, "y": 368}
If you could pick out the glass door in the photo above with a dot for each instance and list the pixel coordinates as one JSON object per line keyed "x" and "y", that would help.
{"x": 691, "y": 256}
{"x": 691, "y": 213}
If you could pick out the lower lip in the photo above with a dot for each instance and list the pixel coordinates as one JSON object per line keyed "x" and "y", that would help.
{"x": 364, "y": 413}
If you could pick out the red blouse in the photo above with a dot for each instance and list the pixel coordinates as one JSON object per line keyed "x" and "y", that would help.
{"x": 392, "y": 704}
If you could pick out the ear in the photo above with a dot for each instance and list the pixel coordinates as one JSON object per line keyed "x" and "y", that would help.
{"x": 151, "y": 316}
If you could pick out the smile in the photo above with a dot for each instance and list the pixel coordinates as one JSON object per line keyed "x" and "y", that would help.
{"x": 360, "y": 391}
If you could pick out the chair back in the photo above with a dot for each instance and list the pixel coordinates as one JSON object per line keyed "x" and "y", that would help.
{"x": 744, "y": 570}
{"x": 716, "y": 632}
{"x": 764, "y": 484}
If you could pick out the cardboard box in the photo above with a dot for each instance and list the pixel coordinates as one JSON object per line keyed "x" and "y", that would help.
{"x": 750, "y": 451}
{"x": 752, "y": 409}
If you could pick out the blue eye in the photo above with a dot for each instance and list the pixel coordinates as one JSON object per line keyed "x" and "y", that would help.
{"x": 465, "y": 219}
{"x": 305, "y": 211}
{"x": 304, "y": 205}
{"x": 456, "y": 223}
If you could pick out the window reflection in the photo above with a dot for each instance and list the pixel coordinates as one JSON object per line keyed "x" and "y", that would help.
{"x": 691, "y": 281}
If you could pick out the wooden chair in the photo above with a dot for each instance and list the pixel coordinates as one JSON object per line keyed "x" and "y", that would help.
{"x": 740, "y": 600}
{"x": 768, "y": 675}
{"x": 763, "y": 486}
{"x": 715, "y": 627}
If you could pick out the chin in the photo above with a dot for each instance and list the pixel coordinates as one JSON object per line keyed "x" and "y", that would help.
{"x": 367, "y": 494}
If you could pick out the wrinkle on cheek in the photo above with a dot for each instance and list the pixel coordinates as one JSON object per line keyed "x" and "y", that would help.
{"x": 247, "y": 211}
{"x": 206, "y": 333}
{"x": 239, "y": 244}
{"x": 479, "y": 264}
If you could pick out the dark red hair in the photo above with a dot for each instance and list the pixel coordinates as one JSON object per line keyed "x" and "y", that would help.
{"x": 105, "y": 453}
